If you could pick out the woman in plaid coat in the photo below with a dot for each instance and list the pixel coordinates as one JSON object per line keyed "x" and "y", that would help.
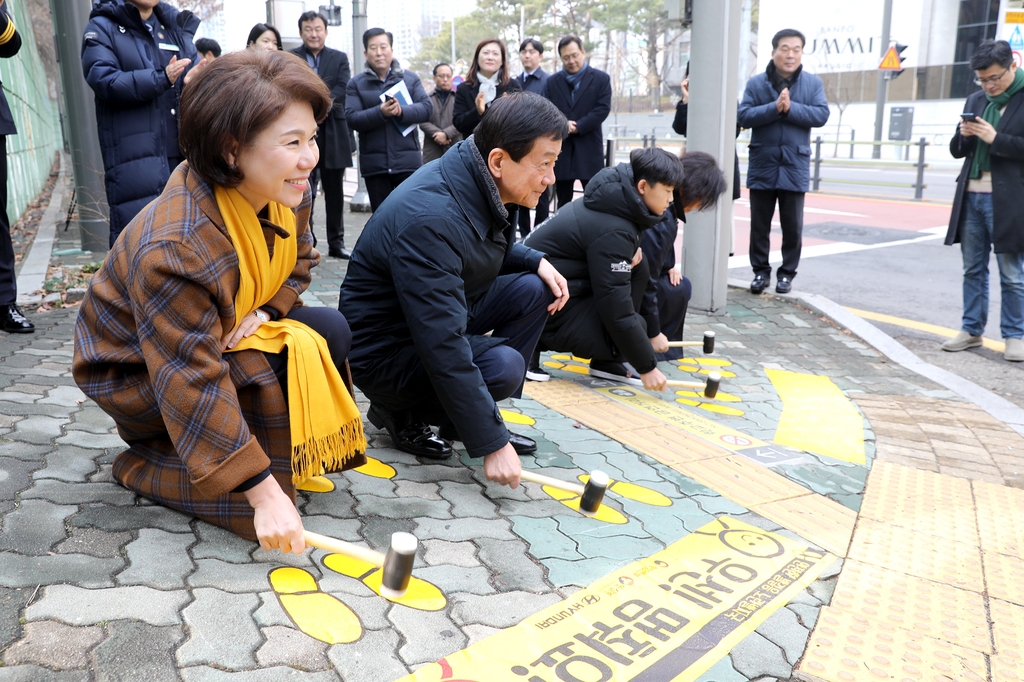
{"x": 209, "y": 431}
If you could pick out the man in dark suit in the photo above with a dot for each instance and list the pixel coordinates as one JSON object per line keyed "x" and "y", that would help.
{"x": 332, "y": 135}
{"x": 11, "y": 319}
{"x": 584, "y": 95}
{"x": 532, "y": 79}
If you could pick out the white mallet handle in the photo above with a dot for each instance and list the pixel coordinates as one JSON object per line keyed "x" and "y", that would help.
{"x": 541, "y": 479}
{"x": 366, "y": 554}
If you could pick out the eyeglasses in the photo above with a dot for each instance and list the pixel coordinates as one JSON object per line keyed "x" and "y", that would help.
{"x": 992, "y": 80}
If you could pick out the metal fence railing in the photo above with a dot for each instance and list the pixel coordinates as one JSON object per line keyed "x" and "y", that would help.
{"x": 918, "y": 185}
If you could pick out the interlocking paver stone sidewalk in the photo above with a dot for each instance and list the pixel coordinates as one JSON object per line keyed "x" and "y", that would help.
{"x": 96, "y": 583}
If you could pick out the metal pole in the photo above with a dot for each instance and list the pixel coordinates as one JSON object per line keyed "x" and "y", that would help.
{"x": 853, "y": 136}
{"x": 919, "y": 185}
{"x": 453, "y": 38}
{"x": 711, "y": 128}
{"x": 817, "y": 163}
{"x": 609, "y": 153}
{"x": 69, "y": 20}
{"x": 360, "y": 200}
{"x": 883, "y": 83}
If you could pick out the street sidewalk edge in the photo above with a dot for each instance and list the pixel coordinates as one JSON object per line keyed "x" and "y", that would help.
{"x": 997, "y": 406}
{"x": 36, "y": 263}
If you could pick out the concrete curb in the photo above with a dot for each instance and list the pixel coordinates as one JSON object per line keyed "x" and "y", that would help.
{"x": 36, "y": 262}
{"x": 995, "y": 405}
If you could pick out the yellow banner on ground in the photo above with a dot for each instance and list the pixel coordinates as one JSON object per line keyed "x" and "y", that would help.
{"x": 665, "y": 618}
{"x": 817, "y": 417}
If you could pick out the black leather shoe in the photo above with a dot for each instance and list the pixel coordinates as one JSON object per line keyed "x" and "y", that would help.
{"x": 759, "y": 284}
{"x": 410, "y": 435}
{"x": 342, "y": 253}
{"x": 784, "y": 285}
{"x": 13, "y": 321}
{"x": 521, "y": 444}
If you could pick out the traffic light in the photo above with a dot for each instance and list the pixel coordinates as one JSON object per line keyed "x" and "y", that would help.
{"x": 899, "y": 53}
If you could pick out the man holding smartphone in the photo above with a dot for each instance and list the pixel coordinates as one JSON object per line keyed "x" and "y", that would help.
{"x": 988, "y": 209}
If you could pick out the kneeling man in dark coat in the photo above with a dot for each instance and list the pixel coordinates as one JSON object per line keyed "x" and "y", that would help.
{"x": 595, "y": 243}
{"x": 436, "y": 269}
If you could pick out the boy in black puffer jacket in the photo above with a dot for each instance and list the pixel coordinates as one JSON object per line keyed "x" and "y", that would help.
{"x": 595, "y": 243}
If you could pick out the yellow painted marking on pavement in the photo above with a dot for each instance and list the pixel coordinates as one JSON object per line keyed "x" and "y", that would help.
{"x": 511, "y": 417}
{"x": 932, "y": 609}
{"x": 316, "y": 484}
{"x": 604, "y": 512}
{"x": 376, "y": 468}
{"x": 705, "y": 362}
{"x": 564, "y": 358}
{"x": 421, "y": 595}
{"x": 945, "y": 332}
{"x": 848, "y": 647}
{"x": 687, "y": 401}
{"x": 722, "y": 409}
{"x": 817, "y": 417}
{"x": 585, "y": 361}
{"x": 1000, "y": 518}
{"x": 817, "y": 518}
{"x": 320, "y": 615}
{"x": 667, "y": 617}
{"x": 724, "y": 397}
{"x": 632, "y": 491}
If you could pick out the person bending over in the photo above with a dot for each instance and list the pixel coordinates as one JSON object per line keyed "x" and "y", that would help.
{"x": 668, "y": 293}
{"x": 595, "y": 243}
{"x": 436, "y": 269}
{"x": 192, "y": 335}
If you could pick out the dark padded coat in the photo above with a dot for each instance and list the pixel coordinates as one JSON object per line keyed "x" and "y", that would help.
{"x": 780, "y": 144}
{"x": 332, "y": 135}
{"x": 679, "y": 126}
{"x": 465, "y": 115}
{"x": 592, "y": 242}
{"x": 382, "y": 148}
{"x": 136, "y": 105}
{"x": 582, "y": 152}
{"x": 1006, "y": 155}
{"x": 427, "y": 254}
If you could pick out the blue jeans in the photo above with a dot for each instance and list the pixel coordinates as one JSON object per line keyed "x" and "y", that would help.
{"x": 975, "y": 245}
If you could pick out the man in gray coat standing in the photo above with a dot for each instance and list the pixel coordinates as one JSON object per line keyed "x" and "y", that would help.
{"x": 440, "y": 133}
{"x": 780, "y": 106}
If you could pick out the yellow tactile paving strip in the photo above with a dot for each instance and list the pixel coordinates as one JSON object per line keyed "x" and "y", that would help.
{"x": 929, "y": 608}
{"x": 848, "y": 647}
{"x": 1004, "y": 576}
{"x": 995, "y": 504}
{"x": 814, "y": 517}
{"x": 923, "y": 501}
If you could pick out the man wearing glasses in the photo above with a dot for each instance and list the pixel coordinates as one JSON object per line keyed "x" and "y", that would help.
{"x": 780, "y": 106}
{"x": 988, "y": 209}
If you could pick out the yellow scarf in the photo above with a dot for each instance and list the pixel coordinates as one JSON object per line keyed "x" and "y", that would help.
{"x": 326, "y": 435}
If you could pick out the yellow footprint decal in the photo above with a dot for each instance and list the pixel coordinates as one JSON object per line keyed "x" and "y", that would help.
{"x": 421, "y": 595}
{"x": 632, "y": 491}
{"x": 572, "y": 501}
{"x": 320, "y": 615}
{"x": 316, "y": 484}
{"x": 376, "y": 468}
{"x": 511, "y": 417}
{"x": 575, "y": 369}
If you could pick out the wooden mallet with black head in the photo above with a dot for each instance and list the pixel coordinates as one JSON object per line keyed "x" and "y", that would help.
{"x": 710, "y": 388}
{"x": 708, "y": 344}
{"x": 396, "y": 564}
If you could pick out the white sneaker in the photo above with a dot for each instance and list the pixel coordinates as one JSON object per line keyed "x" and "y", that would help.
{"x": 1014, "y": 350}
{"x": 537, "y": 374}
{"x": 962, "y": 341}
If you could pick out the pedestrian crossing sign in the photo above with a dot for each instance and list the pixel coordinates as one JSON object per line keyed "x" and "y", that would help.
{"x": 1016, "y": 39}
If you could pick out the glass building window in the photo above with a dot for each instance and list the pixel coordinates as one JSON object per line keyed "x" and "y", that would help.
{"x": 978, "y": 22}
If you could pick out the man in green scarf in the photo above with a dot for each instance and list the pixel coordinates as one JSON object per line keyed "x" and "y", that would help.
{"x": 988, "y": 210}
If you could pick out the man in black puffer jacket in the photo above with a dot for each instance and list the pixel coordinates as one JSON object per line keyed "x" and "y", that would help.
{"x": 134, "y": 56}
{"x": 595, "y": 243}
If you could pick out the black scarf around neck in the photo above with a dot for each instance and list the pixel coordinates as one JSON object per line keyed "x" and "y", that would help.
{"x": 780, "y": 83}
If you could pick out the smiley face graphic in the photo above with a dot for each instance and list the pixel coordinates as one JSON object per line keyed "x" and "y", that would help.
{"x": 752, "y": 543}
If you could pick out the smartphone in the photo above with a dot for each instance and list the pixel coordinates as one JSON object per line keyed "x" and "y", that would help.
{"x": 970, "y": 118}
{"x": 389, "y": 98}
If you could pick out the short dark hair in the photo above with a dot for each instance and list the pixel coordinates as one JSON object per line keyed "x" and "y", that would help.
{"x": 788, "y": 33}
{"x": 233, "y": 99}
{"x": 517, "y": 120}
{"x": 503, "y": 77}
{"x": 703, "y": 181}
{"x": 654, "y": 164}
{"x": 371, "y": 33}
{"x": 569, "y": 39}
{"x": 991, "y": 52}
{"x": 532, "y": 42}
{"x": 440, "y": 64}
{"x": 260, "y": 29}
{"x": 311, "y": 15}
{"x": 204, "y": 45}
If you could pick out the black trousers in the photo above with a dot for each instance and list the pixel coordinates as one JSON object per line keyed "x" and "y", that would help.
{"x": 672, "y": 304}
{"x": 791, "y": 215}
{"x": 8, "y": 283}
{"x": 543, "y": 209}
{"x": 380, "y": 186}
{"x": 328, "y": 323}
{"x": 564, "y": 190}
{"x": 333, "y": 182}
